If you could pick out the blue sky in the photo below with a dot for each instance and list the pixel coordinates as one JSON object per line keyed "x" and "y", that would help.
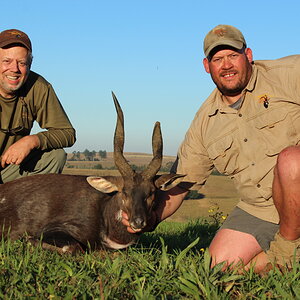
{"x": 149, "y": 52}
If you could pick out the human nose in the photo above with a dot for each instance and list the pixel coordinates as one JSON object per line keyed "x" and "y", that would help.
{"x": 14, "y": 66}
{"x": 227, "y": 64}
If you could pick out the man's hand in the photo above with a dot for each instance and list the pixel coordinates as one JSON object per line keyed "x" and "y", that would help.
{"x": 152, "y": 222}
{"x": 16, "y": 153}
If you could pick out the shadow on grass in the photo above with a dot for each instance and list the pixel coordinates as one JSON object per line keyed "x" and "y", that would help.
{"x": 177, "y": 236}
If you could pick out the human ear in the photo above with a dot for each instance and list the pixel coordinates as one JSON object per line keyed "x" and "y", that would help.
{"x": 249, "y": 55}
{"x": 206, "y": 65}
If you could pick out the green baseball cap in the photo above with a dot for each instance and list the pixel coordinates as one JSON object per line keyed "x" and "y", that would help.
{"x": 226, "y": 35}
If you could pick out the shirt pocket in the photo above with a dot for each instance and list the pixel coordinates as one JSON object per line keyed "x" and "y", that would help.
{"x": 276, "y": 131}
{"x": 224, "y": 155}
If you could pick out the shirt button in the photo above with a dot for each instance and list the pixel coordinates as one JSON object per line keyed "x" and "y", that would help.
{"x": 245, "y": 140}
{"x": 240, "y": 115}
{"x": 258, "y": 185}
{"x": 252, "y": 164}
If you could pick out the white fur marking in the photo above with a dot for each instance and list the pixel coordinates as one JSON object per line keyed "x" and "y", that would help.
{"x": 114, "y": 245}
{"x": 65, "y": 249}
{"x": 119, "y": 215}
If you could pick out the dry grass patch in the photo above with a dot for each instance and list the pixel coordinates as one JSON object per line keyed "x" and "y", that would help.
{"x": 138, "y": 159}
{"x": 218, "y": 191}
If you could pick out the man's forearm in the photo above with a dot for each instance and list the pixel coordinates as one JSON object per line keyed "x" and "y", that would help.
{"x": 57, "y": 138}
{"x": 169, "y": 202}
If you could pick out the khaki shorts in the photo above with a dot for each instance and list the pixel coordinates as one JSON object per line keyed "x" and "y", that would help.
{"x": 263, "y": 231}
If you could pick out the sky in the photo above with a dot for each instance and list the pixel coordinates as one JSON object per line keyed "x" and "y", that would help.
{"x": 148, "y": 52}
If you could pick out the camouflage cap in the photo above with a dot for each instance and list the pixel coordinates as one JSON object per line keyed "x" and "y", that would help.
{"x": 223, "y": 35}
{"x": 14, "y": 36}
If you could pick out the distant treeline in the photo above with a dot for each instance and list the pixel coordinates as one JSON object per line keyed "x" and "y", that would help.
{"x": 87, "y": 155}
{"x": 165, "y": 168}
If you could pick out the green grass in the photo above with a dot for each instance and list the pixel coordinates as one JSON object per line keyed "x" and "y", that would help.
{"x": 169, "y": 263}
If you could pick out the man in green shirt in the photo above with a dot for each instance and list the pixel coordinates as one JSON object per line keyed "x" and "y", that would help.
{"x": 249, "y": 130}
{"x": 25, "y": 97}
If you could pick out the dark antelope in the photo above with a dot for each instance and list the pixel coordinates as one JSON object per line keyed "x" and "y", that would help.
{"x": 71, "y": 212}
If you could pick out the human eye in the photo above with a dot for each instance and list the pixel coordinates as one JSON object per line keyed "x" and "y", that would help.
{"x": 234, "y": 55}
{"x": 22, "y": 64}
{"x": 216, "y": 59}
{"x": 6, "y": 61}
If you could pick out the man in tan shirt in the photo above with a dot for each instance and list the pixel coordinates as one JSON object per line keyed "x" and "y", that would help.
{"x": 25, "y": 97}
{"x": 249, "y": 130}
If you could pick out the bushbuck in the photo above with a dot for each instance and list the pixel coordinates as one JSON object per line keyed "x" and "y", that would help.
{"x": 68, "y": 213}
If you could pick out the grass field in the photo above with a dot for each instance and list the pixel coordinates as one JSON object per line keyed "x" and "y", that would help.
{"x": 170, "y": 263}
{"x": 218, "y": 194}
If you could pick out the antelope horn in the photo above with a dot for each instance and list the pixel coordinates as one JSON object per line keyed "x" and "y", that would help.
{"x": 157, "y": 148}
{"x": 120, "y": 161}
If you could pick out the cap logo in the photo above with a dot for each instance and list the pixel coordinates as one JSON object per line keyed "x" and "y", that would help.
{"x": 220, "y": 32}
{"x": 16, "y": 33}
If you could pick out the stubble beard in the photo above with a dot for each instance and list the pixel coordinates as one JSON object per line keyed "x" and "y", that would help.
{"x": 9, "y": 89}
{"x": 232, "y": 90}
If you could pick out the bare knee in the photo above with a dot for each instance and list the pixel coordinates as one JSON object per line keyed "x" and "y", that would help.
{"x": 233, "y": 247}
{"x": 288, "y": 164}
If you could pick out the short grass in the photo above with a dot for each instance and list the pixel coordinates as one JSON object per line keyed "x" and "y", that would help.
{"x": 169, "y": 263}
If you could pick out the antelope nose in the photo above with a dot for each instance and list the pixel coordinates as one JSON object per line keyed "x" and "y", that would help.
{"x": 139, "y": 222}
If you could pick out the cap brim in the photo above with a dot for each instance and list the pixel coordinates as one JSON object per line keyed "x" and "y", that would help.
{"x": 13, "y": 41}
{"x": 224, "y": 42}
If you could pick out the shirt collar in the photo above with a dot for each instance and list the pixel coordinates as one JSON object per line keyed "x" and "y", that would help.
{"x": 218, "y": 105}
{"x": 8, "y": 100}
{"x": 252, "y": 82}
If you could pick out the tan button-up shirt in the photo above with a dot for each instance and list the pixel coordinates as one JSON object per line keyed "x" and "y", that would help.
{"x": 244, "y": 143}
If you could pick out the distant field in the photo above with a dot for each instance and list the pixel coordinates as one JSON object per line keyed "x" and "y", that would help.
{"x": 218, "y": 190}
{"x": 137, "y": 159}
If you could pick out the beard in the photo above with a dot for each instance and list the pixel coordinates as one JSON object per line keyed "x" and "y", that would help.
{"x": 11, "y": 89}
{"x": 228, "y": 88}
{"x": 236, "y": 90}
{"x": 8, "y": 90}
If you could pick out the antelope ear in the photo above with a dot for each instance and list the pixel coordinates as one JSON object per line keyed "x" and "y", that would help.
{"x": 165, "y": 182}
{"x": 102, "y": 184}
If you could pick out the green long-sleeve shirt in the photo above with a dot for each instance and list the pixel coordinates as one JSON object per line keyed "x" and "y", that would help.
{"x": 36, "y": 101}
